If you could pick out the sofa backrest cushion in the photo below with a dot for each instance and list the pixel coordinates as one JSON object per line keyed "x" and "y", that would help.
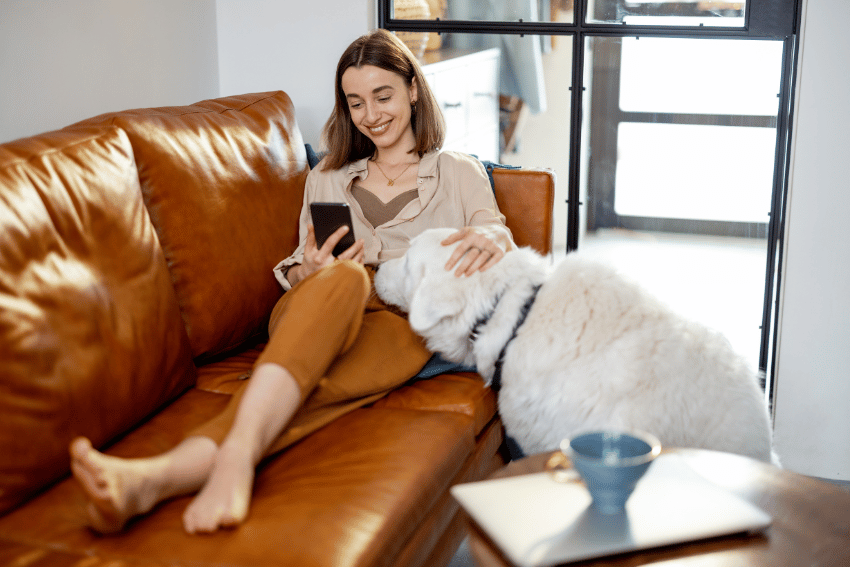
{"x": 527, "y": 199}
{"x": 91, "y": 338}
{"x": 224, "y": 181}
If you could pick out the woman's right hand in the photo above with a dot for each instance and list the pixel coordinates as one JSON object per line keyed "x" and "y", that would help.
{"x": 316, "y": 258}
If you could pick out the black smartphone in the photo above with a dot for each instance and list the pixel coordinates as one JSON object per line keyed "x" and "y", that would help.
{"x": 327, "y": 217}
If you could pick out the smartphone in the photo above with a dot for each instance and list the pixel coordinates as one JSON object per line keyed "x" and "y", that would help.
{"x": 327, "y": 217}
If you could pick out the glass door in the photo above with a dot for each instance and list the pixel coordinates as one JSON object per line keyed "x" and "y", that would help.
{"x": 667, "y": 123}
{"x": 680, "y": 152}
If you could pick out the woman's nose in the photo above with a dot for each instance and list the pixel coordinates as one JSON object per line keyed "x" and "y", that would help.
{"x": 371, "y": 112}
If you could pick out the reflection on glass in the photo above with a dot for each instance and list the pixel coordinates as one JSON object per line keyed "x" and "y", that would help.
{"x": 477, "y": 76}
{"x": 667, "y": 12}
{"x": 465, "y": 82}
{"x": 483, "y": 10}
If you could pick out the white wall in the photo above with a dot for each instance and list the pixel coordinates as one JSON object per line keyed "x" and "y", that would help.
{"x": 267, "y": 45}
{"x": 65, "y": 60}
{"x": 813, "y": 380}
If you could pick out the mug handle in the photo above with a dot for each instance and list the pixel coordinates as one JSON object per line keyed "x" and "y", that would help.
{"x": 560, "y": 468}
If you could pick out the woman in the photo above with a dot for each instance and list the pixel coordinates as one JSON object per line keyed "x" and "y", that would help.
{"x": 333, "y": 345}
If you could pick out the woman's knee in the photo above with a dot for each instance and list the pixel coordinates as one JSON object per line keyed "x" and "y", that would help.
{"x": 350, "y": 275}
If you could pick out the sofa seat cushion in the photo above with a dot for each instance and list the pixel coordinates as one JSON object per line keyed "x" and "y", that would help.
{"x": 351, "y": 494}
{"x": 225, "y": 375}
{"x": 463, "y": 393}
{"x": 91, "y": 336}
{"x": 224, "y": 182}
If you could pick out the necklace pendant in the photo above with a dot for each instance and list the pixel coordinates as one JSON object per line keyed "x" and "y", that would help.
{"x": 390, "y": 182}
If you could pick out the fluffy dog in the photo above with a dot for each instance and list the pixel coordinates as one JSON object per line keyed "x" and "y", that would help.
{"x": 577, "y": 347}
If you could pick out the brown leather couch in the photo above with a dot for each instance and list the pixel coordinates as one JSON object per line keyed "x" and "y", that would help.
{"x": 136, "y": 255}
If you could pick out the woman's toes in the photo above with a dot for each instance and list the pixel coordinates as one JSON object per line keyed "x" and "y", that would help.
{"x": 80, "y": 449}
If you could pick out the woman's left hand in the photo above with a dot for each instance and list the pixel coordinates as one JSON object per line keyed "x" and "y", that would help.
{"x": 477, "y": 250}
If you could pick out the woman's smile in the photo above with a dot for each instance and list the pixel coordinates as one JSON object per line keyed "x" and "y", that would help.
{"x": 379, "y": 129}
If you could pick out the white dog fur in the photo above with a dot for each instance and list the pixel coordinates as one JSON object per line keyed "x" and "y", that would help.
{"x": 596, "y": 351}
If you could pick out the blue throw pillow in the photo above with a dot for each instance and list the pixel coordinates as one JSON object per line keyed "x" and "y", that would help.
{"x": 313, "y": 158}
{"x": 490, "y": 166}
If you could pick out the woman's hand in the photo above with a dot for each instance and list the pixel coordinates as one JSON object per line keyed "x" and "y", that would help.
{"x": 316, "y": 258}
{"x": 478, "y": 249}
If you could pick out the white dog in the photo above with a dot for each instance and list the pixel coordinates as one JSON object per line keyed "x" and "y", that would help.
{"x": 579, "y": 348}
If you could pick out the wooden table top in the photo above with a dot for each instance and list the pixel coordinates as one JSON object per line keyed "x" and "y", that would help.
{"x": 811, "y": 519}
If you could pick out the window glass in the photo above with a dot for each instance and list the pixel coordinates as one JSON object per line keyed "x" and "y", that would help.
{"x": 700, "y": 76}
{"x": 667, "y": 12}
{"x": 484, "y": 10}
{"x": 679, "y": 144}
{"x": 507, "y": 99}
{"x": 691, "y": 171}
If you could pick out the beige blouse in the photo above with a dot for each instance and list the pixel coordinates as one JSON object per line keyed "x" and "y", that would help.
{"x": 454, "y": 192}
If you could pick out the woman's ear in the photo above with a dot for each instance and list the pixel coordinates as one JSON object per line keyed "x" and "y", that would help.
{"x": 414, "y": 91}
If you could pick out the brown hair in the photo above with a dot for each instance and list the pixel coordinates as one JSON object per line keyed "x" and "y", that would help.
{"x": 380, "y": 48}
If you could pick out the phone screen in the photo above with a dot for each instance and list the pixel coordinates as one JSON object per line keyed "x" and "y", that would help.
{"x": 327, "y": 218}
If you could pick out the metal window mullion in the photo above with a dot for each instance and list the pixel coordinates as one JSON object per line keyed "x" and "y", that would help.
{"x": 576, "y": 100}
{"x": 776, "y": 225}
{"x": 742, "y": 120}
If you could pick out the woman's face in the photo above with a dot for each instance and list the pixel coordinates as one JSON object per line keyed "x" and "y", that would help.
{"x": 379, "y": 102}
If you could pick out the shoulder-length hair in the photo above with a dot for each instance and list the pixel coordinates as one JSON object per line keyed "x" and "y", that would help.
{"x": 380, "y": 48}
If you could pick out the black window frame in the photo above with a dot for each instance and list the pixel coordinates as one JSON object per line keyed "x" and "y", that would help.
{"x": 763, "y": 19}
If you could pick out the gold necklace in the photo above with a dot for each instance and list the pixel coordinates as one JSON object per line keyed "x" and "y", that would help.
{"x": 392, "y": 181}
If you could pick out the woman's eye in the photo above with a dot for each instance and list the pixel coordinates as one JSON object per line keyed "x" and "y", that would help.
{"x": 384, "y": 99}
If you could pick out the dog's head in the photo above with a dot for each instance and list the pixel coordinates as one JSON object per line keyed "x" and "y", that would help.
{"x": 441, "y": 307}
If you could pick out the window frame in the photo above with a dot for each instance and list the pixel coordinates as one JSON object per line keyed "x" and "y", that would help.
{"x": 763, "y": 19}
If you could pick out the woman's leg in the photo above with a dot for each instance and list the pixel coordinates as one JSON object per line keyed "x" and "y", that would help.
{"x": 319, "y": 320}
{"x": 269, "y": 402}
{"x": 119, "y": 489}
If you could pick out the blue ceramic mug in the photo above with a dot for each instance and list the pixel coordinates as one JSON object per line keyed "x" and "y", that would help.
{"x": 611, "y": 463}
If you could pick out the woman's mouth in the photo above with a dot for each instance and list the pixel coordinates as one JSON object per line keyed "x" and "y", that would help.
{"x": 379, "y": 129}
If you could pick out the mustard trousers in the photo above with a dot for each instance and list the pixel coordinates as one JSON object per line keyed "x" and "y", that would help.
{"x": 344, "y": 346}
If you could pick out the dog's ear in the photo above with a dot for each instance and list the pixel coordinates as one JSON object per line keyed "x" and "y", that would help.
{"x": 434, "y": 301}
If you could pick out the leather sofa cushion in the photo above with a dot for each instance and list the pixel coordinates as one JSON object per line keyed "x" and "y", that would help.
{"x": 463, "y": 393}
{"x": 354, "y": 491}
{"x": 526, "y": 197}
{"x": 90, "y": 333}
{"x": 223, "y": 180}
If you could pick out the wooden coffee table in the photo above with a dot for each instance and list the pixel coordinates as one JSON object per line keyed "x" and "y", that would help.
{"x": 811, "y": 519}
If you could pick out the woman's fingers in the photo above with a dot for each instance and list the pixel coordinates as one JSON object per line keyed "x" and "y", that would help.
{"x": 476, "y": 252}
{"x": 355, "y": 252}
{"x": 333, "y": 240}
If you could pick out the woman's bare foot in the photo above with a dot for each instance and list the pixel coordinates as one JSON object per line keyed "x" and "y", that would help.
{"x": 119, "y": 489}
{"x": 224, "y": 500}
{"x": 116, "y": 488}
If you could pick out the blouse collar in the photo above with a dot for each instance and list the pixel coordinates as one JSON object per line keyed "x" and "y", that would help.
{"x": 427, "y": 167}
